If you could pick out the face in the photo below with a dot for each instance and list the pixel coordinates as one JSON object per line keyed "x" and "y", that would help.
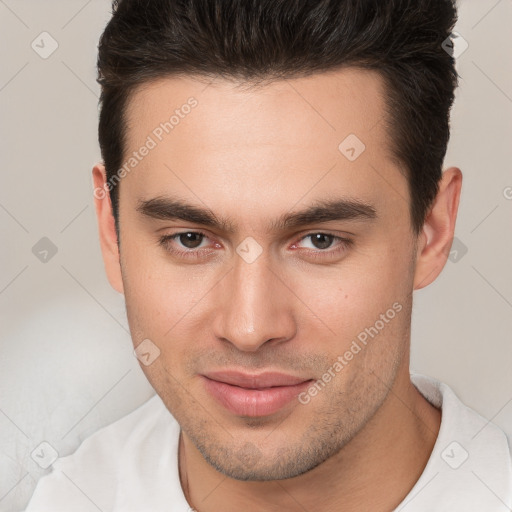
{"x": 256, "y": 288}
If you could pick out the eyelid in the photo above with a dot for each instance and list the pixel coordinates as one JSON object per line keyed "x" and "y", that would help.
{"x": 322, "y": 232}
{"x": 343, "y": 244}
{"x": 165, "y": 238}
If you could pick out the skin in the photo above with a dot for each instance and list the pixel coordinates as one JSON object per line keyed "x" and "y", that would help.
{"x": 250, "y": 156}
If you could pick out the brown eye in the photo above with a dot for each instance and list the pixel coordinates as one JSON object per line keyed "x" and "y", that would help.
{"x": 322, "y": 240}
{"x": 323, "y": 246}
{"x": 186, "y": 244}
{"x": 190, "y": 240}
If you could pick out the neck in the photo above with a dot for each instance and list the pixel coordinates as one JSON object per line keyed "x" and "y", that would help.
{"x": 374, "y": 471}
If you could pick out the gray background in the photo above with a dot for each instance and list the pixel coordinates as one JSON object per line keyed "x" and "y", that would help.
{"x": 66, "y": 363}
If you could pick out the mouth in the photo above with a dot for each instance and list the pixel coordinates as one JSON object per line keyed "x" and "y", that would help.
{"x": 244, "y": 394}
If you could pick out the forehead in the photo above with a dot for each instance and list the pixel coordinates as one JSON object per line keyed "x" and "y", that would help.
{"x": 325, "y": 105}
{"x": 263, "y": 146}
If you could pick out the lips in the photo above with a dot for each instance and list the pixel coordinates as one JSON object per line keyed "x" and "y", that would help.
{"x": 261, "y": 381}
{"x": 253, "y": 395}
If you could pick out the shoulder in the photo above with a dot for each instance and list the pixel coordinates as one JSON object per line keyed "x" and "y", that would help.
{"x": 461, "y": 422}
{"x": 471, "y": 455}
{"x": 88, "y": 479}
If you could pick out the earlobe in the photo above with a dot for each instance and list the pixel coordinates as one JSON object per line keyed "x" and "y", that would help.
{"x": 438, "y": 230}
{"x": 106, "y": 228}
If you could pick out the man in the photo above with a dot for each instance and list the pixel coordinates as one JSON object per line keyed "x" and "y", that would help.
{"x": 270, "y": 196}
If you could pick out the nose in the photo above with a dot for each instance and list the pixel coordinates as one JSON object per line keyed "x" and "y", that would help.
{"x": 255, "y": 306}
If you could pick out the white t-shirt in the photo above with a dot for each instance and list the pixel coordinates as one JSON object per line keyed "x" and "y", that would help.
{"x": 132, "y": 465}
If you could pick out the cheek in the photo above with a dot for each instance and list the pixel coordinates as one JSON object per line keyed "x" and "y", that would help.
{"x": 158, "y": 291}
{"x": 354, "y": 295}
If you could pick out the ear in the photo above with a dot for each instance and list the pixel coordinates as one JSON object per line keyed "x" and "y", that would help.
{"x": 106, "y": 228}
{"x": 435, "y": 240}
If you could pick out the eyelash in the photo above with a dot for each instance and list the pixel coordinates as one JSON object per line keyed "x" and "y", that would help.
{"x": 344, "y": 244}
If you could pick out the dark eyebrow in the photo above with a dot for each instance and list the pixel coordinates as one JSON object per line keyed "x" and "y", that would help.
{"x": 167, "y": 208}
{"x": 325, "y": 211}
